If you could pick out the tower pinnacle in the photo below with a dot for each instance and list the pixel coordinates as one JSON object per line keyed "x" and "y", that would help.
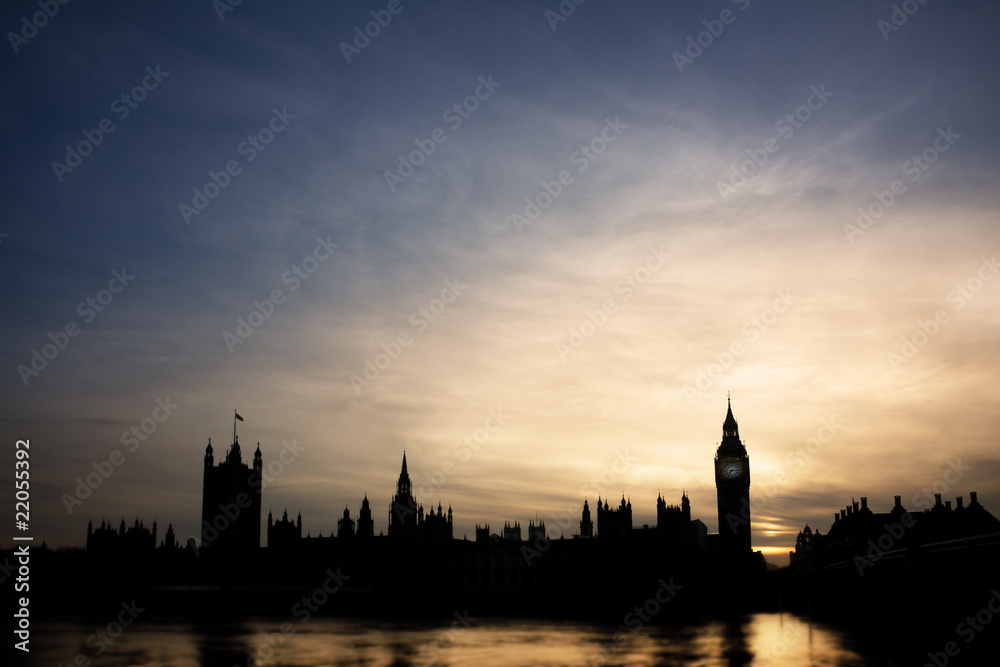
{"x": 729, "y": 427}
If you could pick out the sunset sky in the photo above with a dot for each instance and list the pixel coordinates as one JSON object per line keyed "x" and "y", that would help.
{"x": 576, "y": 232}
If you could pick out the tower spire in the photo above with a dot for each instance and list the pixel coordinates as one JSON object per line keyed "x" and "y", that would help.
{"x": 729, "y": 427}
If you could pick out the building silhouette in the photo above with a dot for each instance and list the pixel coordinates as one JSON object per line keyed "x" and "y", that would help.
{"x": 860, "y": 538}
{"x": 284, "y": 532}
{"x": 512, "y": 531}
{"x": 586, "y": 524}
{"x": 345, "y": 527}
{"x": 614, "y": 524}
{"x": 607, "y": 563}
{"x": 231, "y": 501}
{"x": 136, "y": 538}
{"x": 403, "y": 507}
{"x": 732, "y": 483}
{"x": 366, "y": 526}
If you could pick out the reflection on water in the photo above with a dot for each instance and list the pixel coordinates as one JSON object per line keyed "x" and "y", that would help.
{"x": 756, "y": 640}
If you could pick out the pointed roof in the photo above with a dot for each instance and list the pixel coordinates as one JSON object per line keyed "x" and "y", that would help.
{"x": 729, "y": 427}
{"x": 403, "y": 471}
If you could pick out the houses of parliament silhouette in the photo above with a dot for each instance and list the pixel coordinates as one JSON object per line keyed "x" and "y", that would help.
{"x": 235, "y": 485}
{"x": 419, "y": 555}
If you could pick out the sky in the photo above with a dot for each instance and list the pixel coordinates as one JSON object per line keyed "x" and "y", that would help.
{"x": 533, "y": 244}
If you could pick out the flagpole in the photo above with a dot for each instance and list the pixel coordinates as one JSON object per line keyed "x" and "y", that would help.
{"x": 234, "y": 426}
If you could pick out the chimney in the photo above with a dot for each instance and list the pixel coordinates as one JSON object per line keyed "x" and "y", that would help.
{"x": 898, "y": 501}
{"x": 836, "y": 517}
{"x": 843, "y": 514}
{"x": 972, "y": 498}
{"x": 855, "y": 506}
{"x": 958, "y": 503}
{"x": 947, "y": 505}
{"x": 937, "y": 500}
{"x": 864, "y": 502}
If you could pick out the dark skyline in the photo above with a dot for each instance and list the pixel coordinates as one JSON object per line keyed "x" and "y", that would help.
{"x": 517, "y": 247}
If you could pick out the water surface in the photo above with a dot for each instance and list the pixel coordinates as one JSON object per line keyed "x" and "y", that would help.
{"x": 757, "y": 640}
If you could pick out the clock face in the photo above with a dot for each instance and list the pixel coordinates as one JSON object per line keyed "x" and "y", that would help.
{"x": 732, "y": 470}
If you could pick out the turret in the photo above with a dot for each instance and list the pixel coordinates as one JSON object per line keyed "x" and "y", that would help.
{"x": 345, "y": 527}
{"x": 234, "y": 456}
{"x": 366, "y": 527}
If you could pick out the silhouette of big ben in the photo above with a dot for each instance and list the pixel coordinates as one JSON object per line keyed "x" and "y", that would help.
{"x": 732, "y": 483}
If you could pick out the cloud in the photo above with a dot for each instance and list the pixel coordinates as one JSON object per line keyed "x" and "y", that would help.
{"x": 854, "y": 304}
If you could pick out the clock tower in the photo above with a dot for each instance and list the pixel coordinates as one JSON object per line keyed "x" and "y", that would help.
{"x": 732, "y": 483}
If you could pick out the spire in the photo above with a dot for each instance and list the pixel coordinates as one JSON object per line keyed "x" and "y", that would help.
{"x": 729, "y": 427}
{"x": 403, "y": 471}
